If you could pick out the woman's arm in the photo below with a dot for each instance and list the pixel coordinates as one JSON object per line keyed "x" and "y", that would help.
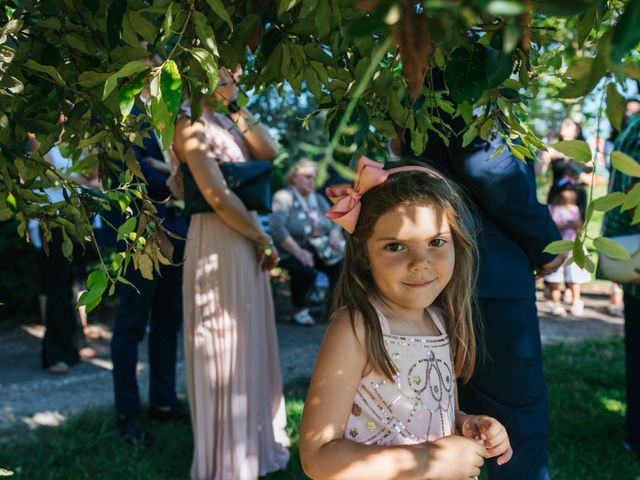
{"x": 326, "y": 455}
{"x": 260, "y": 143}
{"x": 191, "y": 147}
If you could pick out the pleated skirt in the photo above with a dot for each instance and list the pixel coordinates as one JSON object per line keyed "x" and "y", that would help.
{"x": 231, "y": 357}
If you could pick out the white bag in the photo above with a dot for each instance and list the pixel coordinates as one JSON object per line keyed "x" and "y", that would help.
{"x": 622, "y": 271}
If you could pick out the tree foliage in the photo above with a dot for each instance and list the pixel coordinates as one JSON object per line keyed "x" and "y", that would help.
{"x": 369, "y": 67}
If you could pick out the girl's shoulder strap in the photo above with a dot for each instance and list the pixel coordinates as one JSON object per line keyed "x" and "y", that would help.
{"x": 438, "y": 318}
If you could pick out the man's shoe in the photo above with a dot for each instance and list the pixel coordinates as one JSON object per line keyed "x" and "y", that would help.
{"x": 132, "y": 430}
{"x": 175, "y": 413}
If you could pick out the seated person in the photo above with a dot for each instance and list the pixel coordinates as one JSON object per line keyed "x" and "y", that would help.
{"x": 297, "y": 224}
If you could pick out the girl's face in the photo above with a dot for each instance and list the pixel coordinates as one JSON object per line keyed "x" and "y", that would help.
{"x": 411, "y": 256}
{"x": 566, "y": 197}
{"x": 569, "y": 129}
{"x": 305, "y": 180}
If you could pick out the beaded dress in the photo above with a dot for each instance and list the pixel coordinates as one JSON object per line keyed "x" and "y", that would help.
{"x": 418, "y": 405}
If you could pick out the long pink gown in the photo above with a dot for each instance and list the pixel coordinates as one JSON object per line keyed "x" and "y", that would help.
{"x": 231, "y": 350}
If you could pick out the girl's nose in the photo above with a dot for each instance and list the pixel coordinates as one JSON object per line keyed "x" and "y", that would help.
{"x": 420, "y": 260}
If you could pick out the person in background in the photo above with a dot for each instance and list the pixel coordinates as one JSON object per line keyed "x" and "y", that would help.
{"x": 231, "y": 348}
{"x": 566, "y": 215}
{"x": 297, "y": 221}
{"x": 156, "y": 306}
{"x": 64, "y": 343}
{"x": 618, "y": 223}
{"x": 562, "y": 166}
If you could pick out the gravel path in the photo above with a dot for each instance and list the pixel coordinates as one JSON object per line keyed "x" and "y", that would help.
{"x": 32, "y": 397}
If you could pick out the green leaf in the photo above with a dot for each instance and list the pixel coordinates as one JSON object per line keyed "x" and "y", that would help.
{"x": 98, "y": 280}
{"x": 624, "y": 163}
{"x": 11, "y": 201}
{"x": 131, "y": 68}
{"x": 92, "y": 5}
{"x": 582, "y": 76}
{"x": 626, "y": 34}
{"x": 578, "y": 150}
{"x": 285, "y": 6}
{"x": 559, "y": 246}
{"x": 578, "y": 253}
{"x": 127, "y": 227}
{"x": 218, "y": 7}
{"x": 505, "y": 7}
{"x": 209, "y": 65}
{"x": 585, "y": 25}
{"x": 128, "y": 92}
{"x": 171, "y": 88}
{"x": 67, "y": 245}
{"x": 632, "y": 198}
{"x": 465, "y": 73}
{"x": 322, "y": 16}
{"x": 5, "y": 214}
{"x": 93, "y": 139}
{"x": 143, "y": 26}
{"x": 205, "y": 33}
{"x": 498, "y": 66}
{"x": 93, "y": 79}
{"x": 115, "y": 16}
{"x": 615, "y": 106}
{"x": 608, "y": 202}
{"x": 308, "y": 7}
{"x": 610, "y": 248}
{"x": 49, "y": 70}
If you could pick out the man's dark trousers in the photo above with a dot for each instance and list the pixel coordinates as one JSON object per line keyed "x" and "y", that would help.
{"x": 632, "y": 368}
{"x": 158, "y": 305}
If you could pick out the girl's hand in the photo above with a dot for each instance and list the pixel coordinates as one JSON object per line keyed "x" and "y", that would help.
{"x": 491, "y": 433}
{"x": 454, "y": 458}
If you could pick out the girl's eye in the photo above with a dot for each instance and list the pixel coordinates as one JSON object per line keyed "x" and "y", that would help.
{"x": 393, "y": 247}
{"x": 437, "y": 242}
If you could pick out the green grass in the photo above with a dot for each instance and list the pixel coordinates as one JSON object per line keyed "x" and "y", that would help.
{"x": 586, "y": 395}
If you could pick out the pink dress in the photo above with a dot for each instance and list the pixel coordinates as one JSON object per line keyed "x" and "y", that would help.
{"x": 231, "y": 347}
{"x": 419, "y": 404}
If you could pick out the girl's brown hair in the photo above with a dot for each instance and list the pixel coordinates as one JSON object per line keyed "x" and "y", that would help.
{"x": 457, "y": 302}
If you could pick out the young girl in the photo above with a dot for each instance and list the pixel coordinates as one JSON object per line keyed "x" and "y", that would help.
{"x": 382, "y": 402}
{"x": 563, "y": 204}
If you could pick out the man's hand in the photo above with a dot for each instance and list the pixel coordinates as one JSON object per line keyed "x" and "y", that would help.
{"x": 550, "y": 267}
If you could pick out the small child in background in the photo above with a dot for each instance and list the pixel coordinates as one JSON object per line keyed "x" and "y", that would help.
{"x": 566, "y": 214}
{"x": 382, "y": 402}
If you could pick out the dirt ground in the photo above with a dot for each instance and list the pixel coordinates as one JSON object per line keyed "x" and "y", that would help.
{"x": 31, "y": 397}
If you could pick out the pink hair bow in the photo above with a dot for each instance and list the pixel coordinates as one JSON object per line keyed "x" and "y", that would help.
{"x": 346, "y": 198}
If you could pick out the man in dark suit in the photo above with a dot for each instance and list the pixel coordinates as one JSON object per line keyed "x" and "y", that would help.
{"x": 159, "y": 305}
{"x": 508, "y": 382}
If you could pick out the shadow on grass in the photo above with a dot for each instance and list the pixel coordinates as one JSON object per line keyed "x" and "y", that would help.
{"x": 586, "y": 398}
{"x": 88, "y": 446}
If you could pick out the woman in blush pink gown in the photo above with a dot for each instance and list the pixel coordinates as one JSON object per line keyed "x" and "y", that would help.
{"x": 231, "y": 350}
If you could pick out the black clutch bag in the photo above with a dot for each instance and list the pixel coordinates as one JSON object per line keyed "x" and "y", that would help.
{"x": 250, "y": 181}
